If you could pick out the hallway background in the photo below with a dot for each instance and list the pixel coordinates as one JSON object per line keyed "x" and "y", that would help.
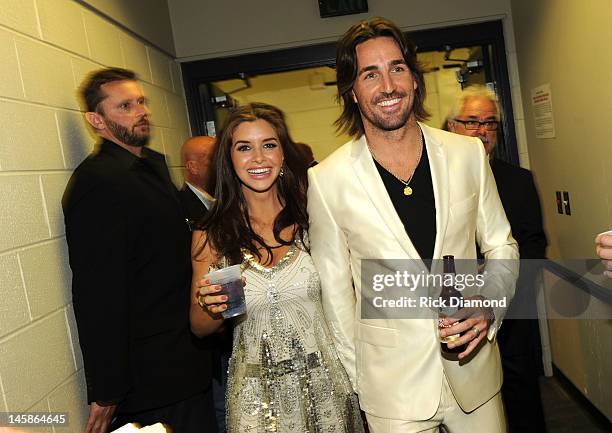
{"x": 47, "y": 47}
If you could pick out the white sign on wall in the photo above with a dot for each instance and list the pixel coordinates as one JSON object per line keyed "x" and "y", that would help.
{"x": 541, "y": 99}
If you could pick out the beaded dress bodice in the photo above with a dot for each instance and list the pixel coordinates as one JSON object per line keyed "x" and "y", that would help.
{"x": 284, "y": 374}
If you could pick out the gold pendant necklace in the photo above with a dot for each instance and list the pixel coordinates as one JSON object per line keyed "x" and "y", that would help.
{"x": 407, "y": 188}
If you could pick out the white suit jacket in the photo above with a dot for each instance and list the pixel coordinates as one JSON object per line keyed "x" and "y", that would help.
{"x": 395, "y": 365}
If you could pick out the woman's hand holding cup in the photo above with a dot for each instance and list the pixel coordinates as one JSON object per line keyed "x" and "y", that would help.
{"x": 210, "y": 298}
{"x": 222, "y": 292}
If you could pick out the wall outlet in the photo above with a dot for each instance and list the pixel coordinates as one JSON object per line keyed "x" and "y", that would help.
{"x": 566, "y": 203}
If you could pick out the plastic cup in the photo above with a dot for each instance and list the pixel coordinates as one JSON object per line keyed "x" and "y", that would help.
{"x": 230, "y": 280}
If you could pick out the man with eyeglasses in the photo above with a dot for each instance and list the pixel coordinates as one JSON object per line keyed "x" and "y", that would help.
{"x": 477, "y": 114}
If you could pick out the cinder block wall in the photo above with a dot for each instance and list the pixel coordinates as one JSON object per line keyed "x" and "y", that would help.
{"x": 47, "y": 47}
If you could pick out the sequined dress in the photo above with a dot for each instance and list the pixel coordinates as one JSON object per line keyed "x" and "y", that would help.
{"x": 284, "y": 373}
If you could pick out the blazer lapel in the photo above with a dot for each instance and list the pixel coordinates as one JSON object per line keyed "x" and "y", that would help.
{"x": 439, "y": 178}
{"x": 367, "y": 174}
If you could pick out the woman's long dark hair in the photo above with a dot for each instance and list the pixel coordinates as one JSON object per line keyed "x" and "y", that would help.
{"x": 228, "y": 225}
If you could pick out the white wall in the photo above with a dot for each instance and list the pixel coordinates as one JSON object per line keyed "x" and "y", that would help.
{"x": 210, "y": 28}
{"x": 566, "y": 43}
{"x": 308, "y": 104}
{"x": 149, "y": 19}
{"x": 47, "y": 47}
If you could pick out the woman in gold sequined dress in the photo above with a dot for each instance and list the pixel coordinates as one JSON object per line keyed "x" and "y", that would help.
{"x": 284, "y": 373}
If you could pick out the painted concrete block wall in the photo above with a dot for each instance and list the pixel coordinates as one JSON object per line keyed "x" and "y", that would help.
{"x": 47, "y": 48}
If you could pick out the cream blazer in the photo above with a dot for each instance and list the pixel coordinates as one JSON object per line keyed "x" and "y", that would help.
{"x": 395, "y": 365}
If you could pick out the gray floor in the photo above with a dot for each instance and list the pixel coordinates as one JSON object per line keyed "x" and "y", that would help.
{"x": 565, "y": 413}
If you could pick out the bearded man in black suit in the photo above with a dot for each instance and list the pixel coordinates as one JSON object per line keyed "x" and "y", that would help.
{"x": 129, "y": 249}
{"x": 477, "y": 114}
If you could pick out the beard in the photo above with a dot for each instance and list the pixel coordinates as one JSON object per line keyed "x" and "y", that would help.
{"x": 387, "y": 122}
{"x": 127, "y": 136}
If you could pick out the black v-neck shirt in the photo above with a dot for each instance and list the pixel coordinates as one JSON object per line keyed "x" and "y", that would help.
{"x": 417, "y": 211}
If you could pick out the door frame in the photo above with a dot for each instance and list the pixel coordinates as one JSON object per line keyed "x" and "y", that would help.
{"x": 201, "y": 72}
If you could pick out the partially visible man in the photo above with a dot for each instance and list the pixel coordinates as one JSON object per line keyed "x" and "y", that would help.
{"x": 197, "y": 153}
{"x": 477, "y": 114}
{"x": 129, "y": 251}
{"x": 604, "y": 251}
{"x": 403, "y": 190}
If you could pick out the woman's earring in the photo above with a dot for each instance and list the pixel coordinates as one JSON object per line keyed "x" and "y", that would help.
{"x": 282, "y": 172}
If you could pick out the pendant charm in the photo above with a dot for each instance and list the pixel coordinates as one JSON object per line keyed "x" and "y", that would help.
{"x": 407, "y": 190}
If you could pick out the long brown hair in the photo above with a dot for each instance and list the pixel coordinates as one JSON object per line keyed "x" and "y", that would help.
{"x": 346, "y": 71}
{"x": 228, "y": 224}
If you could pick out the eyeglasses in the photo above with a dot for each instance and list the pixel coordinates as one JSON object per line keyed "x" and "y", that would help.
{"x": 489, "y": 125}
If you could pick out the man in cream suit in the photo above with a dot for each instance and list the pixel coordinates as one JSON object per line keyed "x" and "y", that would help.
{"x": 402, "y": 190}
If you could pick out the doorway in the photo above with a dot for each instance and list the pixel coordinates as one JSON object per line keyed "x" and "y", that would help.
{"x": 301, "y": 82}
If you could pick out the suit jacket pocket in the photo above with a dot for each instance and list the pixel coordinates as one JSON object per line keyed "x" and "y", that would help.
{"x": 377, "y": 336}
{"x": 463, "y": 206}
{"x": 376, "y": 347}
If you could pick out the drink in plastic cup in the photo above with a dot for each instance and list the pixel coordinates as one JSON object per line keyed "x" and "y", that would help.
{"x": 230, "y": 280}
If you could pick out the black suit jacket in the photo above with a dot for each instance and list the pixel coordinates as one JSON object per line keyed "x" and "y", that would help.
{"x": 129, "y": 249}
{"x": 521, "y": 202}
{"x": 193, "y": 207}
{"x": 219, "y": 344}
